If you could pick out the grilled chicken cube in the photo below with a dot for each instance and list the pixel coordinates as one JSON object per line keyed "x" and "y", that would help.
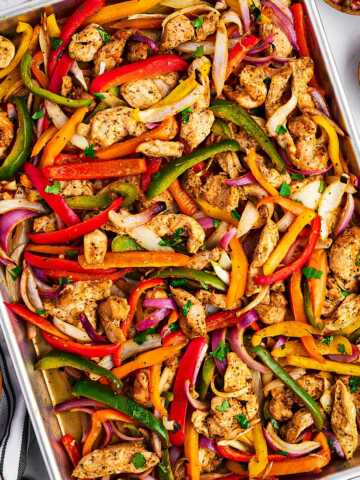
{"x": 209, "y": 460}
{"x": 145, "y": 92}
{"x": 85, "y": 44}
{"x": 197, "y": 128}
{"x": 208, "y": 27}
{"x": 6, "y": 133}
{"x": 110, "y": 55}
{"x": 344, "y": 259}
{"x": 301, "y": 420}
{"x": 275, "y": 311}
{"x": 7, "y": 51}
{"x": 45, "y": 223}
{"x": 192, "y": 320}
{"x": 95, "y": 246}
{"x": 76, "y": 188}
{"x": 344, "y": 315}
{"x": 141, "y": 392}
{"x": 113, "y": 312}
{"x": 178, "y": 30}
{"x": 216, "y": 192}
{"x": 161, "y": 148}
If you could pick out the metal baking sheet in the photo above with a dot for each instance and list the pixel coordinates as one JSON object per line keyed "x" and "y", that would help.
{"x": 42, "y": 391}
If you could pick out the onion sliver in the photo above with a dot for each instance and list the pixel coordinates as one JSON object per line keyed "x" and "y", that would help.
{"x": 220, "y": 60}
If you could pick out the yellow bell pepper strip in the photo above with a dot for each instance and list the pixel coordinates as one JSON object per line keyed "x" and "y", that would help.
{"x": 309, "y": 309}
{"x": 294, "y": 207}
{"x": 351, "y": 328}
{"x": 34, "y": 38}
{"x": 317, "y": 286}
{"x": 334, "y": 147}
{"x": 52, "y": 26}
{"x": 251, "y": 161}
{"x": 27, "y": 32}
{"x": 155, "y": 396}
{"x": 14, "y": 78}
{"x": 111, "y": 13}
{"x": 326, "y": 366}
{"x": 288, "y": 329}
{"x": 258, "y": 463}
{"x": 186, "y": 204}
{"x": 184, "y": 88}
{"x": 147, "y": 359}
{"x": 238, "y": 276}
{"x": 191, "y": 448}
{"x": 286, "y": 241}
{"x": 138, "y": 260}
{"x": 216, "y": 212}
{"x": 43, "y": 140}
{"x": 62, "y": 137}
{"x": 293, "y": 347}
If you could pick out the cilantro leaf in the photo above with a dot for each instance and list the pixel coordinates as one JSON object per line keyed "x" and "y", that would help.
{"x": 310, "y": 272}
{"x": 186, "y": 308}
{"x": 40, "y": 311}
{"x": 198, "y": 22}
{"x": 223, "y": 407}
{"x": 185, "y": 115}
{"x": 235, "y": 214}
{"x": 54, "y": 189}
{"x": 285, "y": 189}
{"x": 341, "y": 348}
{"x": 345, "y": 293}
{"x": 55, "y": 43}
{"x": 138, "y": 460}
{"x": 243, "y": 421}
{"x": 104, "y": 35}
{"x": 216, "y": 223}
{"x": 142, "y": 336}
{"x": 255, "y": 11}
{"x": 322, "y": 186}
{"x": 178, "y": 282}
{"x": 38, "y": 114}
{"x": 296, "y": 176}
{"x": 267, "y": 81}
{"x": 357, "y": 261}
{"x": 221, "y": 351}
{"x": 327, "y": 340}
{"x": 199, "y": 52}
{"x": 176, "y": 241}
{"x": 354, "y": 384}
{"x": 89, "y": 151}
{"x": 99, "y": 96}
{"x": 280, "y": 129}
{"x": 71, "y": 254}
{"x": 64, "y": 281}
{"x": 15, "y": 272}
{"x": 174, "y": 326}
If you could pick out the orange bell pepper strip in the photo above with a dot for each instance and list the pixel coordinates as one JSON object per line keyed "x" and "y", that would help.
{"x": 297, "y": 304}
{"x": 34, "y": 38}
{"x": 52, "y": 249}
{"x": 25, "y": 42}
{"x": 318, "y": 260}
{"x": 40, "y": 76}
{"x": 138, "y": 259}
{"x": 138, "y": 23}
{"x": 216, "y": 212}
{"x": 259, "y": 462}
{"x": 62, "y": 137}
{"x": 191, "y": 449}
{"x": 97, "y": 419}
{"x": 165, "y": 131}
{"x": 72, "y": 448}
{"x": 81, "y": 276}
{"x": 147, "y": 359}
{"x": 251, "y": 161}
{"x": 186, "y": 204}
{"x": 238, "y": 276}
{"x": 114, "y": 12}
{"x": 155, "y": 397}
{"x": 294, "y": 207}
{"x": 43, "y": 140}
{"x": 239, "y": 51}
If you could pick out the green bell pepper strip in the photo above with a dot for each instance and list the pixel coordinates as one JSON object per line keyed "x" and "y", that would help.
{"x": 221, "y": 129}
{"x": 166, "y": 176}
{"x": 208, "y": 279}
{"x": 56, "y": 359}
{"x": 164, "y": 468}
{"x": 96, "y": 391}
{"x": 309, "y": 309}
{"x": 207, "y": 373}
{"x": 22, "y": 146}
{"x": 42, "y": 92}
{"x": 104, "y": 198}
{"x": 234, "y": 113}
{"x": 309, "y": 402}
{"x": 126, "y": 190}
{"x": 124, "y": 243}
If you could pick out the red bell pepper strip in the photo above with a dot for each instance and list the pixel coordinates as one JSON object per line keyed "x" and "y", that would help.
{"x": 75, "y": 231}
{"x": 287, "y": 271}
{"x": 221, "y": 320}
{"x": 236, "y": 456}
{"x": 85, "y": 10}
{"x": 187, "y": 370}
{"x": 51, "y": 263}
{"x": 64, "y": 158}
{"x": 82, "y": 349}
{"x": 91, "y": 170}
{"x": 72, "y": 448}
{"x": 151, "y": 67}
{"x": 297, "y": 10}
{"x": 61, "y": 69}
{"x": 37, "y": 320}
{"x": 174, "y": 338}
{"x": 152, "y": 166}
{"x": 55, "y": 201}
{"x": 88, "y": 275}
{"x": 238, "y": 52}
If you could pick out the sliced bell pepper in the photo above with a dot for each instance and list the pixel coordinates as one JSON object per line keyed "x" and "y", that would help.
{"x": 326, "y": 366}
{"x": 76, "y": 231}
{"x": 61, "y": 69}
{"x": 259, "y": 462}
{"x": 216, "y": 212}
{"x": 302, "y": 394}
{"x": 27, "y": 32}
{"x": 206, "y": 376}
{"x": 152, "y": 166}
{"x": 318, "y": 260}
{"x": 52, "y": 26}
{"x": 297, "y": 11}
{"x": 168, "y": 174}
{"x": 294, "y": 207}
{"x": 35, "y": 319}
{"x": 285, "y": 272}
{"x": 43, "y": 140}
{"x": 147, "y": 359}
{"x": 204, "y": 278}
{"x": 155, "y": 396}
{"x": 51, "y": 263}
{"x": 243, "y": 457}
{"x": 288, "y": 329}
{"x": 164, "y": 469}
{"x": 141, "y": 23}
{"x": 13, "y": 80}
{"x": 189, "y": 364}
{"x": 38, "y": 59}
{"x": 138, "y": 260}
{"x": 55, "y": 201}
{"x": 239, "y": 51}
{"x": 191, "y": 450}
{"x": 153, "y": 66}
{"x": 96, "y": 170}
{"x": 56, "y": 359}
{"x": 110, "y": 13}
{"x": 22, "y": 145}
{"x": 221, "y": 320}
{"x": 90, "y": 202}
{"x": 186, "y": 204}
{"x": 309, "y": 309}
{"x": 82, "y": 349}
{"x": 72, "y": 448}
{"x": 93, "y": 390}
{"x": 238, "y": 276}
{"x": 334, "y": 146}
{"x": 231, "y": 112}
{"x": 52, "y": 249}
{"x": 25, "y": 69}
{"x": 251, "y": 161}
{"x": 293, "y": 347}
{"x": 82, "y": 276}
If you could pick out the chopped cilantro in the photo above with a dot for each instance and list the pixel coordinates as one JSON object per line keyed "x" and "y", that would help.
{"x": 280, "y": 129}
{"x": 357, "y": 260}
{"x": 175, "y": 241}
{"x": 55, "y": 43}
{"x": 142, "y": 336}
{"x": 199, "y": 52}
{"x": 354, "y": 384}
{"x": 15, "y": 272}
{"x": 99, "y": 96}
{"x": 235, "y": 214}
{"x": 185, "y": 115}
{"x": 285, "y": 189}
{"x": 345, "y": 293}
{"x": 54, "y": 188}
{"x": 221, "y": 351}
{"x": 322, "y": 186}
{"x": 64, "y": 281}
{"x": 224, "y": 406}
{"x": 327, "y": 340}
{"x": 310, "y": 272}
{"x": 138, "y": 460}
{"x": 243, "y": 421}
{"x": 258, "y": 111}
{"x": 255, "y": 11}
{"x": 186, "y": 308}
{"x": 174, "y": 326}
{"x": 282, "y": 452}
{"x": 341, "y": 348}
{"x": 275, "y": 424}
{"x": 89, "y": 151}
{"x": 216, "y": 223}
{"x": 104, "y": 35}
{"x": 40, "y": 311}
{"x": 71, "y": 254}
{"x": 38, "y": 114}
{"x": 267, "y": 81}
{"x": 198, "y": 22}
{"x": 296, "y": 176}
{"x": 178, "y": 282}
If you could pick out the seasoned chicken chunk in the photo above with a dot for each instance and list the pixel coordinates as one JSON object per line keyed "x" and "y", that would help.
{"x": 113, "y": 124}
{"x": 301, "y": 420}
{"x": 202, "y": 259}
{"x": 141, "y": 392}
{"x": 275, "y": 178}
{"x": 230, "y": 163}
{"x": 253, "y": 90}
{"x": 201, "y": 67}
{"x": 114, "y": 459}
{"x": 113, "y": 312}
{"x": 168, "y": 373}
{"x": 178, "y": 30}
{"x": 109, "y": 55}
{"x": 344, "y": 315}
{"x": 208, "y": 297}
{"x": 216, "y": 192}
{"x": 161, "y": 148}
{"x": 137, "y": 51}
{"x": 66, "y": 85}
{"x": 197, "y": 128}
{"x": 343, "y": 419}
{"x": 225, "y": 424}
{"x": 45, "y": 223}
{"x": 208, "y": 460}
{"x": 275, "y": 311}
{"x": 344, "y": 259}
{"x": 333, "y": 297}
{"x": 280, "y": 405}
{"x": 165, "y": 197}
{"x": 313, "y": 384}
{"x": 282, "y": 46}
{"x": 238, "y": 377}
{"x": 302, "y": 73}
{"x": 95, "y": 246}
{"x": 209, "y": 25}
{"x": 192, "y": 320}
{"x": 145, "y": 92}
{"x": 6, "y": 133}
{"x": 85, "y": 44}
{"x": 278, "y": 86}
{"x": 199, "y": 420}
{"x": 75, "y": 188}
{"x": 7, "y": 51}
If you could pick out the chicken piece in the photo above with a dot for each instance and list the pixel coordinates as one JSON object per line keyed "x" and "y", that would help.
{"x": 137, "y": 51}
{"x": 66, "y": 85}
{"x": 253, "y": 90}
{"x": 75, "y": 188}
{"x": 168, "y": 373}
{"x": 161, "y": 148}
{"x": 145, "y": 92}
{"x": 85, "y": 44}
{"x": 169, "y": 223}
{"x": 275, "y": 178}
{"x": 333, "y": 297}
{"x": 199, "y": 420}
{"x": 208, "y": 297}
{"x": 230, "y": 163}
{"x": 201, "y": 67}
{"x": 301, "y": 420}
{"x": 238, "y": 377}
{"x": 192, "y": 320}
{"x": 197, "y": 128}
{"x": 113, "y": 312}
{"x": 113, "y": 124}
{"x": 275, "y": 311}
{"x": 7, "y": 51}
{"x": 344, "y": 315}
{"x": 109, "y": 55}
{"x": 178, "y": 30}
{"x": 165, "y": 197}
{"x": 192, "y": 183}
{"x": 95, "y": 246}
{"x": 344, "y": 258}
{"x": 224, "y": 424}
{"x": 202, "y": 259}
{"x": 281, "y": 45}
{"x": 141, "y": 392}
{"x": 76, "y": 298}
{"x": 217, "y": 193}
{"x": 208, "y": 27}
{"x": 115, "y": 459}
{"x": 246, "y": 141}
{"x": 280, "y": 405}
{"x": 302, "y": 73}
{"x": 343, "y": 419}
{"x": 278, "y": 86}
{"x": 209, "y": 460}
{"x": 45, "y": 223}
{"x": 6, "y": 133}
{"x": 313, "y": 384}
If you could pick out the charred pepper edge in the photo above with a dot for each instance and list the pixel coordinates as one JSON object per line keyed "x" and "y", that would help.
{"x": 192, "y": 274}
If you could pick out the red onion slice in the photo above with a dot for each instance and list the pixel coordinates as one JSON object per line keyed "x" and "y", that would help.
{"x": 108, "y": 429}
{"x": 284, "y": 9}
{"x": 208, "y": 443}
{"x": 246, "y": 179}
{"x": 292, "y": 169}
{"x": 227, "y": 237}
{"x": 89, "y": 329}
{"x": 346, "y": 358}
{"x": 319, "y": 101}
{"x": 9, "y": 221}
{"x": 292, "y": 449}
{"x": 153, "y": 319}
{"x": 282, "y": 21}
{"x": 263, "y": 45}
{"x": 346, "y": 215}
{"x": 197, "y": 404}
{"x": 199, "y": 361}
{"x": 123, "y": 436}
{"x": 279, "y": 342}
{"x": 132, "y": 221}
{"x": 206, "y": 222}
{"x": 237, "y": 345}
{"x": 267, "y": 59}
{"x": 335, "y": 444}
{"x": 248, "y": 318}
{"x": 159, "y": 303}
{"x": 245, "y": 14}
{"x": 138, "y": 37}
{"x": 174, "y": 454}
{"x": 78, "y": 403}
{"x": 217, "y": 337}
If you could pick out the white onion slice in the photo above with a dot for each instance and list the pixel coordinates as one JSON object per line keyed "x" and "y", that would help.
{"x": 309, "y": 195}
{"x": 14, "y": 204}
{"x": 280, "y": 116}
{"x": 285, "y": 221}
{"x": 232, "y": 17}
{"x": 221, "y": 273}
{"x": 148, "y": 240}
{"x": 71, "y": 330}
{"x": 79, "y": 75}
{"x": 248, "y": 219}
{"x": 220, "y": 60}
{"x": 330, "y": 201}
